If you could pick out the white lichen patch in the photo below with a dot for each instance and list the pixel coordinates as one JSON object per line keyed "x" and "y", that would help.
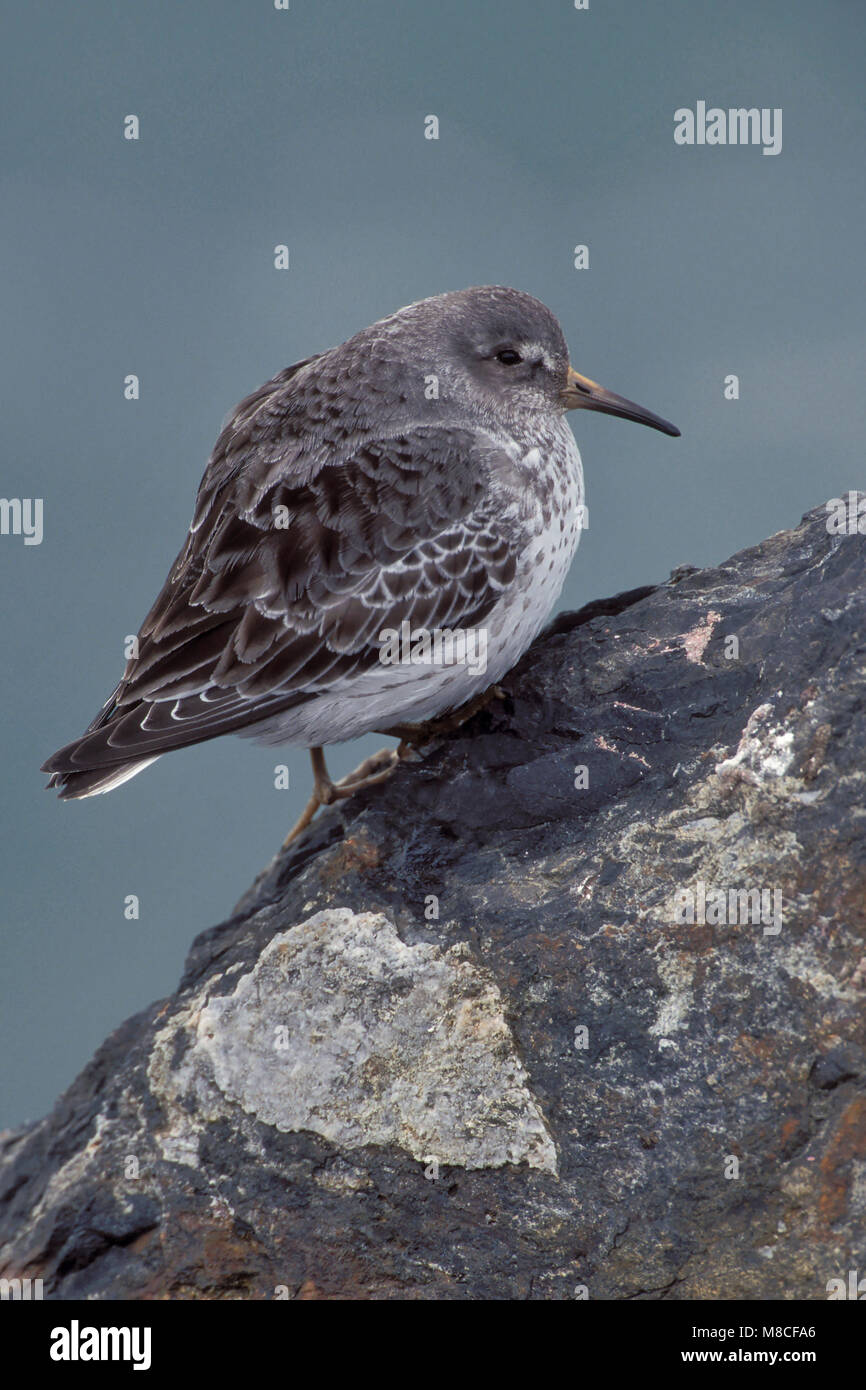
{"x": 765, "y": 749}
{"x": 179, "y": 1148}
{"x": 676, "y": 971}
{"x": 344, "y": 1030}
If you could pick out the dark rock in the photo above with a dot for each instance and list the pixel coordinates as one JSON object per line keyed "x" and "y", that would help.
{"x": 840, "y": 1064}
{"x": 554, "y": 1082}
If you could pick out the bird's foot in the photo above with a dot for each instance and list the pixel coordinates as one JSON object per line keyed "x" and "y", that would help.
{"x": 379, "y": 767}
{"x": 413, "y": 734}
{"x": 369, "y": 773}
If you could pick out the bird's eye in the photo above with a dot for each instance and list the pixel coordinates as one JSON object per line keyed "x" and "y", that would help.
{"x": 508, "y": 357}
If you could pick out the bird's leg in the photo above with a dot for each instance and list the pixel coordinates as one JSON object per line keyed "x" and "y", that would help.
{"x": 322, "y": 785}
{"x": 371, "y": 771}
{"x": 380, "y": 766}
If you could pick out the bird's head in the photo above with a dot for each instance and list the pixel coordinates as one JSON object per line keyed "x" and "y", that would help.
{"x": 501, "y": 351}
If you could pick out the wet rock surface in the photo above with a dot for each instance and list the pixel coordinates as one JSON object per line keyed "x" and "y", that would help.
{"x": 575, "y": 1003}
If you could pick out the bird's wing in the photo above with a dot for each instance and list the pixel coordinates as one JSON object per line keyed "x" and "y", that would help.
{"x": 290, "y": 573}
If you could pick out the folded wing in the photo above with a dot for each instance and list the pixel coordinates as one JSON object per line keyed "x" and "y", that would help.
{"x": 292, "y": 568}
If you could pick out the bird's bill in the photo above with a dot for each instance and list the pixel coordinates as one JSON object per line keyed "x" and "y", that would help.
{"x": 582, "y": 394}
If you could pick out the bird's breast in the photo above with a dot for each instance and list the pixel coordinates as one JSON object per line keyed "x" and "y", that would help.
{"x": 553, "y": 517}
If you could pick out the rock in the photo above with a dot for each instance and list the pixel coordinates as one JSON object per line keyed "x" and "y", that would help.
{"x": 575, "y": 1003}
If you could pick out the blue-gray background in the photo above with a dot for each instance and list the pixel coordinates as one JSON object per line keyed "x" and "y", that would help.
{"x": 305, "y": 127}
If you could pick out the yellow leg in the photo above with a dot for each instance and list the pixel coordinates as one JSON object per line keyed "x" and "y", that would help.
{"x": 371, "y": 771}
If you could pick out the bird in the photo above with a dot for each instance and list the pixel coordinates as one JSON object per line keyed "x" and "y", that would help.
{"x": 420, "y": 478}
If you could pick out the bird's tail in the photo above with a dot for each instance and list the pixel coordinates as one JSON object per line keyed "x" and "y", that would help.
{"x": 82, "y": 768}
{"x": 74, "y": 786}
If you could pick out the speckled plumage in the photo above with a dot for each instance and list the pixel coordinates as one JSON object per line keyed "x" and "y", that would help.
{"x": 345, "y": 495}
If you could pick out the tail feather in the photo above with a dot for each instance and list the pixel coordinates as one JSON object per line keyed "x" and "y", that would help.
{"x": 74, "y": 786}
{"x": 70, "y": 772}
{"x": 124, "y": 739}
